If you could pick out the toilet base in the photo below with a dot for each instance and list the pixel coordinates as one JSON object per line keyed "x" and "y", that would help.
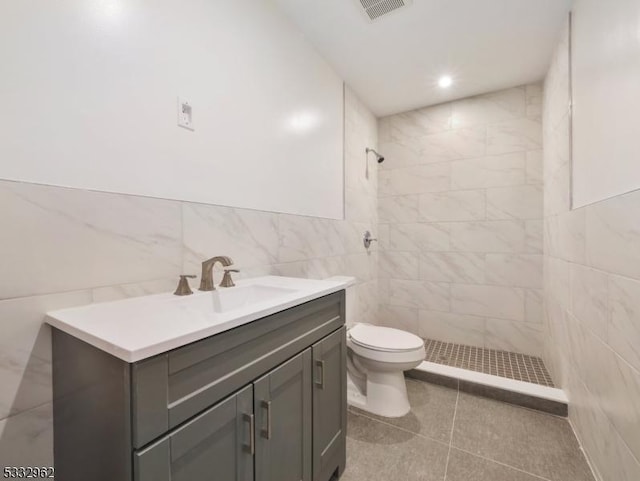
{"x": 386, "y": 394}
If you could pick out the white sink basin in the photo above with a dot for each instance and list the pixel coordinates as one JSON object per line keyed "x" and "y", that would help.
{"x": 138, "y": 328}
{"x": 229, "y": 299}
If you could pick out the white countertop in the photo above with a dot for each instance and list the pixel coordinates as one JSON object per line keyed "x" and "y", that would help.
{"x": 141, "y": 327}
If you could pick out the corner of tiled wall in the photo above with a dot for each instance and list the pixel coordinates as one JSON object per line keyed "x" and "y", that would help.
{"x": 592, "y": 297}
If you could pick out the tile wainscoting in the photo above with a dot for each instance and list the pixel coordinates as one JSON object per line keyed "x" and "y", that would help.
{"x": 65, "y": 247}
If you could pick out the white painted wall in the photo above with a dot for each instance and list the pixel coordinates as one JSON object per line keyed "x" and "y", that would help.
{"x": 89, "y": 91}
{"x": 606, "y": 97}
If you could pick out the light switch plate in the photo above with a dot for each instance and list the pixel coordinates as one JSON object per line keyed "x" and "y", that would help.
{"x": 185, "y": 113}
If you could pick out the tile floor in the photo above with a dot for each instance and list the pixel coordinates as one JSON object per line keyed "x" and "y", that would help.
{"x": 489, "y": 361}
{"x": 454, "y": 436}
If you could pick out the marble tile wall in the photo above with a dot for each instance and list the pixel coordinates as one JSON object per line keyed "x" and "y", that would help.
{"x": 460, "y": 213}
{"x": 592, "y": 297}
{"x": 64, "y": 247}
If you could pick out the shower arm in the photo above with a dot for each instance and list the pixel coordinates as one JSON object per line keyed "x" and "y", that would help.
{"x": 379, "y": 158}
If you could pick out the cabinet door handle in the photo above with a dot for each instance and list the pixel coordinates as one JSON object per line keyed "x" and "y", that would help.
{"x": 266, "y": 433}
{"x": 320, "y": 382}
{"x": 252, "y": 432}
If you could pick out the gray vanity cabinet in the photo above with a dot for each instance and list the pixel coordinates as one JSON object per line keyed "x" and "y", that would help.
{"x": 329, "y": 399}
{"x": 217, "y": 444}
{"x": 282, "y": 406}
{"x": 265, "y": 401}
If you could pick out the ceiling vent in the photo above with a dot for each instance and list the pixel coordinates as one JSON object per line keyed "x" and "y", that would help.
{"x": 375, "y": 9}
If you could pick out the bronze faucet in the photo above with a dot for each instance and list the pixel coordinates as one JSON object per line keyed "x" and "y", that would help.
{"x": 206, "y": 280}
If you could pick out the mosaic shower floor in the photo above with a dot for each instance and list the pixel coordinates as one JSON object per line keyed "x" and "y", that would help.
{"x": 489, "y": 361}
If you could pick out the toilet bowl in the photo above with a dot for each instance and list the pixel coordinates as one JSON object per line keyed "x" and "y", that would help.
{"x": 376, "y": 359}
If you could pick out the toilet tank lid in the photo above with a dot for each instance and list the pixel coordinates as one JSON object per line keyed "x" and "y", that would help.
{"x": 384, "y": 338}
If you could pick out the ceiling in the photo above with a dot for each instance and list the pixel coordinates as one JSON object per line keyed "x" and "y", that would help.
{"x": 394, "y": 64}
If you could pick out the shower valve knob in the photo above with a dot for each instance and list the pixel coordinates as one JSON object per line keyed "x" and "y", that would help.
{"x": 367, "y": 240}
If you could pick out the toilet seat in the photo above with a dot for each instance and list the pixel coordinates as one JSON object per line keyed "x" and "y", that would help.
{"x": 384, "y": 339}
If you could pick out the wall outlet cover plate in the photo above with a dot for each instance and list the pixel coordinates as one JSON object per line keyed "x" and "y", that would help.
{"x": 185, "y": 114}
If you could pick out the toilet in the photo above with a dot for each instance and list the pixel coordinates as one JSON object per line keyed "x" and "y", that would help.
{"x": 376, "y": 359}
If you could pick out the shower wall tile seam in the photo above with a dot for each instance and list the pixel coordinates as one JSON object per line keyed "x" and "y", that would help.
{"x": 495, "y": 253}
{"x": 387, "y": 169}
{"x": 454, "y": 189}
{"x": 483, "y": 126}
{"x": 514, "y": 220}
{"x": 612, "y": 351}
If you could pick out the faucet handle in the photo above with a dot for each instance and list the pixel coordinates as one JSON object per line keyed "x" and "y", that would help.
{"x": 183, "y": 285}
{"x": 227, "y": 281}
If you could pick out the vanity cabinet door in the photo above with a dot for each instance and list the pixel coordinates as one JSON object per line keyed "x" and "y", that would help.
{"x": 282, "y": 406}
{"x": 216, "y": 445}
{"x": 329, "y": 405}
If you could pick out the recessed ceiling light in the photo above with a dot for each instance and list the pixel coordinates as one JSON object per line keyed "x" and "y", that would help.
{"x": 445, "y": 81}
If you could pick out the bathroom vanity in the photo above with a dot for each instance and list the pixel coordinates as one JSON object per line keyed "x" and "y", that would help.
{"x": 264, "y": 399}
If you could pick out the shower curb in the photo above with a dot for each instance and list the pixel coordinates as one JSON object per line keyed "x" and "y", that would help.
{"x": 520, "y": 393}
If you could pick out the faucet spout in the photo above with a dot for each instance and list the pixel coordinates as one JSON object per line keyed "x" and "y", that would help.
{"x": 206, "y": 280}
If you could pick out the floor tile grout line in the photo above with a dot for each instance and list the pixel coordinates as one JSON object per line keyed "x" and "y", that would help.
{"x": 453, "y": 425}
{"x": 501, "y": 464}
{"x": 24, "y": 411}
{"x": 399, "y": 428}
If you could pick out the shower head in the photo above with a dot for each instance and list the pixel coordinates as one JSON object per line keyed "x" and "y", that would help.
{"x": 379, "y": 157}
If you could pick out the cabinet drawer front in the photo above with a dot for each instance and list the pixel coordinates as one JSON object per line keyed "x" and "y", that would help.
{"x": 214, "y": 444}
{"x": 171, "y": 388}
